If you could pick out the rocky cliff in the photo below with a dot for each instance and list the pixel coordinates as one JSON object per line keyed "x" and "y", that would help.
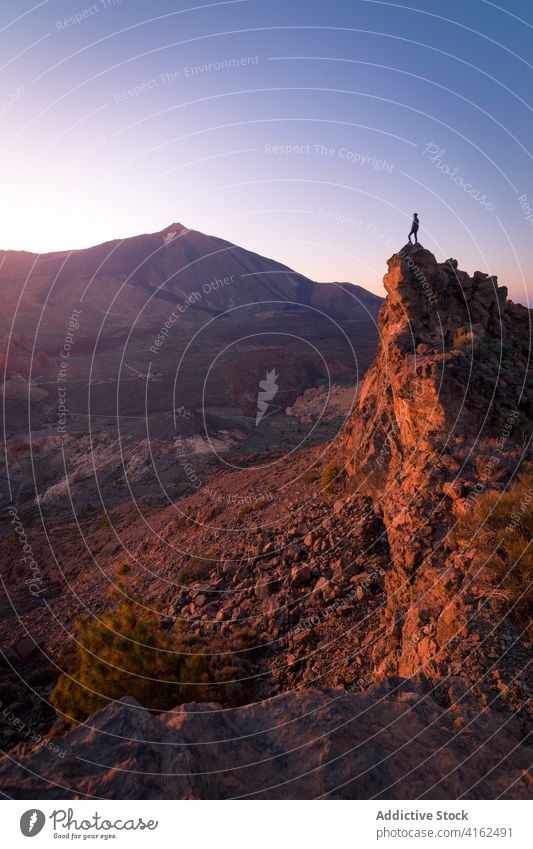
{"x": 440, "y": 418}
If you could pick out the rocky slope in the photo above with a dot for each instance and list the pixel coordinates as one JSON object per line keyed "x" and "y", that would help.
{"x": 394, "y": 743}
{"x": 340, "y": 588}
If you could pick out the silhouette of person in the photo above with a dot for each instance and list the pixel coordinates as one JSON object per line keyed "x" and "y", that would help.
{"x": 414, "y": 229}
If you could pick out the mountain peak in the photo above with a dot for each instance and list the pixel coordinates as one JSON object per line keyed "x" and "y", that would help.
{"x": 176, "y": 227}
{"x": 438, "y": 301}
{"x": 174, "y": 230}
{"x": 439, "y": 327}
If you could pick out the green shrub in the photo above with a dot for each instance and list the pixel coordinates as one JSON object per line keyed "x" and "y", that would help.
{"x": 231, "y": 666}
{"x": 331, "y": 477}
{"x": 501, "y": 527}
{"x": 125, "y": 652}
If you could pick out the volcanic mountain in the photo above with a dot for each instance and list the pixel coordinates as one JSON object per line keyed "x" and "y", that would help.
{"x": 137, "y": 278}
{"x": 101, "y": 346}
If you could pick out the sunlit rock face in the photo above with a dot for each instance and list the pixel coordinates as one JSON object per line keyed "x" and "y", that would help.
{"x": 451, "y": 370}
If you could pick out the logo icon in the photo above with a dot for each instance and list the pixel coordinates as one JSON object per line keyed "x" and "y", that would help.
{"x": 268, "y": 389}
{"x": 32, "y": 822}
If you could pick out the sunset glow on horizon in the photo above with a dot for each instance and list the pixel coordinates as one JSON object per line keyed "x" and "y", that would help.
{"x": 306, "y": 132}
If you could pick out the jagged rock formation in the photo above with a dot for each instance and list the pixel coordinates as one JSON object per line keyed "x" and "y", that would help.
{"x": 449, "y": 383}
{"x": 394, "y": 743}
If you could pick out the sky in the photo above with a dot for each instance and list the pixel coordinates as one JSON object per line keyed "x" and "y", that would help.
{"x": 305, "y": 131}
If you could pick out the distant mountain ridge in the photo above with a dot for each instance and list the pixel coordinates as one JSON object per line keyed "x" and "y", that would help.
{"x": 166, "y": 266}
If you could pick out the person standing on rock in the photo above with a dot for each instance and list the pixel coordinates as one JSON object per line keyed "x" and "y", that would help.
{"x": 414, "y": 229}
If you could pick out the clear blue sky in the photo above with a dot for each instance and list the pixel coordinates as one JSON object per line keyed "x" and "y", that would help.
{"x": 135, "y": 114}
